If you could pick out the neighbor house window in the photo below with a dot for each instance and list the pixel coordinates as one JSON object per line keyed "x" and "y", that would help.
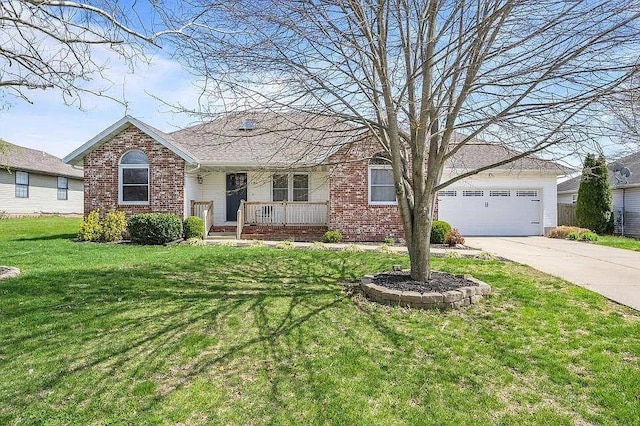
{"x": 134, "y": 178}
{"x": 381, "y": 185}
{"x": 22, "y": 185}
{"x": 63, "y": 188}
{"x": 290, "y": 187}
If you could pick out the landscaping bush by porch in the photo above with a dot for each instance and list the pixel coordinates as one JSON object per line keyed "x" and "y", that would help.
{"x": 193, "y": 227}
{"x": 154, "y": 228}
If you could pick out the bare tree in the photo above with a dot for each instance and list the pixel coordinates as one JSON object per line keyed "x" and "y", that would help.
{"x": 530, "y": 75}
{"x": 47, "y": 44}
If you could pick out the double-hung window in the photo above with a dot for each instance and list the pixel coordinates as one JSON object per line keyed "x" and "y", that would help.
{"x": 133, "y": 185}
{"x": 381, "y": 185}
{"x": 290, "y": 187}
{"x": 22, "y": 185}
{"x": 63, "y": 188}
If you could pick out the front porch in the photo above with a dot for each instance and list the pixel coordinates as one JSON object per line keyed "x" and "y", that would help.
{"x": 241, "y": 202}
{"x": 276, "y": 220}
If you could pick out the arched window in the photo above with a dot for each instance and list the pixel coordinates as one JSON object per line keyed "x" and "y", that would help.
{"x": 133, "y": 185}
{"x": 381, "y": 184}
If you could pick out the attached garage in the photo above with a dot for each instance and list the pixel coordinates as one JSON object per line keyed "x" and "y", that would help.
{"x": 493, "y": 211}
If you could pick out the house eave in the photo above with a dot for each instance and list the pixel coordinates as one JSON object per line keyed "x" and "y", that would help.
{"x": 39, "y": 172}
{"x": 631, "y": 185}
{"x": 456, "y": 170}
{"x": 258, "y": 166}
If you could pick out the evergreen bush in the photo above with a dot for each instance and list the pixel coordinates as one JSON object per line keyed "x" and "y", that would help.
{"x": 594, "y": 207}
{"x": 154, "y": 228}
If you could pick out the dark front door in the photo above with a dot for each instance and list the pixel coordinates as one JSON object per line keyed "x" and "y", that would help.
{"x": 236, "y": 191}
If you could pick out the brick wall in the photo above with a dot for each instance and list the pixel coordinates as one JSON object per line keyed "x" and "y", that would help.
{"x": 166, "y": 175}
{"x": 350, "y": 211}
{"x": 281, "y": 233}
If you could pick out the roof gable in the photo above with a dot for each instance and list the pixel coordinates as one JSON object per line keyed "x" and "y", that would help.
{"x": 162, "y": 138}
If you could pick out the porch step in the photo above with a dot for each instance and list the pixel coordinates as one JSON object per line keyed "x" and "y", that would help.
{"x": 221, "y": 236}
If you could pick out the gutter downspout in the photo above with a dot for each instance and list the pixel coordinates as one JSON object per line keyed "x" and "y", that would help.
{"x": 622, "y": 230}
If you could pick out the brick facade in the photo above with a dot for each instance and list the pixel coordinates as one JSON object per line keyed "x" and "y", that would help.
{"x": 166, "y": 175}
{"x": 350, "y": 211}
{"x": 281, "y": 233}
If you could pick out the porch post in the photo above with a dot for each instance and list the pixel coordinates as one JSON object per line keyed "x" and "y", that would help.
{"x": 284, "y": 213}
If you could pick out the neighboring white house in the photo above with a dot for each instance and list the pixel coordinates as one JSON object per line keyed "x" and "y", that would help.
{"x": 624, "y": 177}
{"x": 33, "y": 181}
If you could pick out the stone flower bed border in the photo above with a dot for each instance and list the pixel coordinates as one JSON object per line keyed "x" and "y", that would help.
{"x": 8, "y": 272}
{"x": 453, "y": 299}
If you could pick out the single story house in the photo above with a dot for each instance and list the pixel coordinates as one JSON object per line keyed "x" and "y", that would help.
{"x": 33, "y": 182}
{"x": 295, "y": 176}
{"x": 624, "y": 178}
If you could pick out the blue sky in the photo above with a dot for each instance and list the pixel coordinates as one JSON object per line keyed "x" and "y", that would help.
{"x": 47, "y": 124}
{"x": 50, "y": 125}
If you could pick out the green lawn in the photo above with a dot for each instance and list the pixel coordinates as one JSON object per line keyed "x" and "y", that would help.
{"x": 120, "y": 334}
{"x": 619, "y": 242}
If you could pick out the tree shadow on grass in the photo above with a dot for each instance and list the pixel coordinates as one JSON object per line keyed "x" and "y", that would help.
{"x": 95, "y": 331}
{"x": 67, "y": 236}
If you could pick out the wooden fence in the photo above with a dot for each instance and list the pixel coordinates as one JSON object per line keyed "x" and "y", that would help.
{"x": 567, "y": 214}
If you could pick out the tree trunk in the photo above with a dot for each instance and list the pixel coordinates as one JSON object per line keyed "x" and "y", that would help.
{"x": 419, "y": 239}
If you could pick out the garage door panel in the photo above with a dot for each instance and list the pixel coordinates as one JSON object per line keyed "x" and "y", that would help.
{"x": 492, "y": 211}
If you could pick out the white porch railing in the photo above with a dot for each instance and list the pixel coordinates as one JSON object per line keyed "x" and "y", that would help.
{"x": 282, "y": 213}
{"x": 204, "y": 210}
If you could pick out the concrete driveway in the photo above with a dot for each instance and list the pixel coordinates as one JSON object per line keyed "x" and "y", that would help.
{"x": 612, "y": 272}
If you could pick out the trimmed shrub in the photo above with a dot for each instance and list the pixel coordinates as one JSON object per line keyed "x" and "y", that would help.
{"x": 439, "y": 229}
{"x": 114, "y": 225}
{"x": 588, "y": 236}
{"x": 154, "y": 228}
{"x": 91, "y": 228}
{"x": 193, "y": 227}
{"x": 332, "y": 236}
{"x": 573, "y": 236}
{"x": 453, "y": 238}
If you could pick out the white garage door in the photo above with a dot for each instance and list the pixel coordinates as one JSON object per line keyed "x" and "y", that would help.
{"x": 492, "y": 211}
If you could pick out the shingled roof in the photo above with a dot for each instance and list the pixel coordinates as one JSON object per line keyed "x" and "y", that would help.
{"x": 295, "y": 139}
{"x": 269, "y": 138}
{"x": 17, "y": 157}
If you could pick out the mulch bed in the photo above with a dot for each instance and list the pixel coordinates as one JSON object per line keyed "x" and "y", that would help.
{"x": 440, "y": 282}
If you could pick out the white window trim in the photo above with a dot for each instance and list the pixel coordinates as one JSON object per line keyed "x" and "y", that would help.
{"x": 290, "y": 186}
{"x": 66, "y": 189}
{"x": 27, "y": 185}
{"x": 379, "y": 203}
{"x": 121, "y": 167}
